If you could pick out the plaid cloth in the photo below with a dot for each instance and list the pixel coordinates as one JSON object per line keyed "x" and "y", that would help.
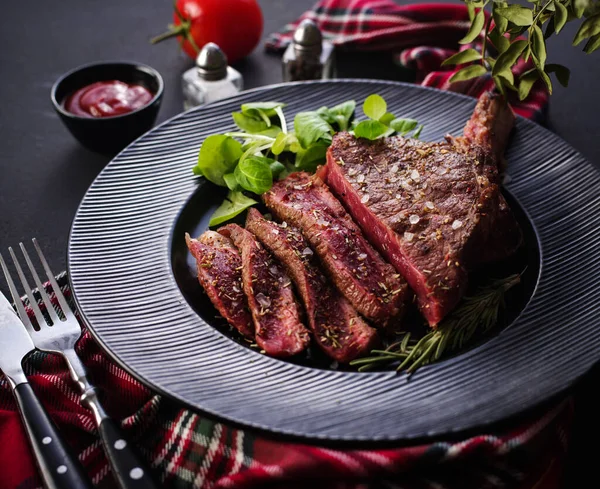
{"x": 421, "y": 36}
{"x": 188, "y": 450}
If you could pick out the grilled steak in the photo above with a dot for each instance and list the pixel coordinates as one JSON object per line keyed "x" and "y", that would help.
{"x": 274, "y": 309}
{"x": 371, "y": 285}
{"x": 430, "y": 208}
{"x": 219, "y": 272}
{"x": 338, "y": 329}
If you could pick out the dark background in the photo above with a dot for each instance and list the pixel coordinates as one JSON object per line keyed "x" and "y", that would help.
{"x": 44, "y": 173}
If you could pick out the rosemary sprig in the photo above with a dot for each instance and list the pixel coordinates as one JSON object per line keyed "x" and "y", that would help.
{"x": 476, "y": 314}
{"x": 510, "y": 21}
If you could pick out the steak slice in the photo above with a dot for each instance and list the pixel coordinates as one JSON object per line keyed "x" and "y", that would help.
{"x": 219, "y": 272}
{"x": 338, "y": 329}
{"x": 371, "y": 285}
{"x": 274, "y": 309}
{"x": 430, "y": 208}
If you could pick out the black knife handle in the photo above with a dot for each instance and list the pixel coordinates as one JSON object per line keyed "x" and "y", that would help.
{"x": 58, "y": 468}
{"x": 126, "y": 464}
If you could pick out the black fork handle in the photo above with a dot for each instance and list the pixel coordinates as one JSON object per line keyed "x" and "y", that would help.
{"x": 59, "y": 469}
{"x": 127, "y": 466}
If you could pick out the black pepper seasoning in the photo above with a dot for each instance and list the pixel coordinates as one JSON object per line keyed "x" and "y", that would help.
{"x": 308, "y": 57}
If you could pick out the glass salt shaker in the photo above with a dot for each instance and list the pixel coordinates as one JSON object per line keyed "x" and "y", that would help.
{"x": 308, "y": 57}
{"x": 211, "y": 79}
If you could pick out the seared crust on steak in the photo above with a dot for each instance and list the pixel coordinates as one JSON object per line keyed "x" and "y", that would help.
{"x": 220, "y": 273}
{"x": 337, "y": 328}
{"x": 370, "y": 284}
{"x": 271, "y": 300}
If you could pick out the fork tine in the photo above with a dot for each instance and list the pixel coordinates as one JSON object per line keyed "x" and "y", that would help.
{"x": 16, "y": 298}
{"x": 28, "y": 290}
{"x": 40, "y": 286}
{"x": 59, "y": 295}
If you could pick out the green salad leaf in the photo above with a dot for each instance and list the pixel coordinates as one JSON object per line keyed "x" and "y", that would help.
{"x": 374, "y": 107}
{"x": 218, "y": 155}
{"x": 277, "y": 168}
{"x": 234, "y": 204}
{"x": 252, "y": 125}
{"x": 370, "y": 129}
{"x": 309, "y": 159}
{"x": 254, "y": 174}
{"x": 311, "y": 128}
{"x": 339, "y": 115}
{"x": 267, "y": 108}
{"x": 231, "y": 181}
{"x": 403, "y": 126}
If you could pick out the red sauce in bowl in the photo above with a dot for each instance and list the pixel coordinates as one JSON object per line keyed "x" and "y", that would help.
{"x": 107, "y": 99}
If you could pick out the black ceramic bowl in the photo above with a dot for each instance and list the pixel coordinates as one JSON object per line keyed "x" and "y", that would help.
{"x": 109, "y": 135}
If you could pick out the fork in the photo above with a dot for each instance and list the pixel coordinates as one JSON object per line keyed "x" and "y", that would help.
{"x": 60, "y": 337}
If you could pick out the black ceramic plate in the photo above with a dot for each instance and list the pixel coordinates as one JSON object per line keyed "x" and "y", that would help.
{"x": 134, "y": 282}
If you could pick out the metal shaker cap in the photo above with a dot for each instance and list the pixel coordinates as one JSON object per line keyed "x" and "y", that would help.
{"x": 308, "y": 37}
{"x": 211, "y": 62}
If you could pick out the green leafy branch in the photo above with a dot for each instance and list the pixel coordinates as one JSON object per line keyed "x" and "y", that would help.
{"x": 503, "y": 30}
{"x": 475, "y": 316}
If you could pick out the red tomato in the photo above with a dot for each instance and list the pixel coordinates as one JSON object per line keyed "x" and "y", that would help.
{"x": 234, "y": 25}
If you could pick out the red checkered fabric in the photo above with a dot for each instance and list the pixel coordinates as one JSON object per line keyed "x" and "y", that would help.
{"x": 421, "y": 35}
{"x": 190, "y": 450}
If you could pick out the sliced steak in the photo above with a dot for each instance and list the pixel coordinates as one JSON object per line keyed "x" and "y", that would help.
{"x": 429, "y": 208}
{"x": 220, "y": 273}
{"x": 338, "y": 329}
{"x": 371, "y": 285}
{"x": 274, "y": 309}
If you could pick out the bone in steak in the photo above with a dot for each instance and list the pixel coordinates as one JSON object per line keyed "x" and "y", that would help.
{"x": 371, "y": 285}
{"x": 428, "y": 207}
{"x": 338, "y": 329}
{"x": 220, "y": 273}
{"x": 274, "y": 309}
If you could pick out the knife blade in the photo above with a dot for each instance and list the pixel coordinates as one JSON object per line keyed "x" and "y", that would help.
{"x": 15, "y": 343}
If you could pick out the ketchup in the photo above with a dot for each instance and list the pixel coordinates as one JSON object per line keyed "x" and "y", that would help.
{"x": 107, "y": 98}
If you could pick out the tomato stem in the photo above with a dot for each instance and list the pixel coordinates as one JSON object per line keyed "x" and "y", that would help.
{"x": 182, "y": 31}
{"x": 174, "y": 31}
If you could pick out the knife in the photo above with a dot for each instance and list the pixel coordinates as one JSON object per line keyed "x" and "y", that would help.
{"x": 58, "y": 468}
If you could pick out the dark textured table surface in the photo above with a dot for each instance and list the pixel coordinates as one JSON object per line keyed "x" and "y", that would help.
{"x": 44, "y": 173}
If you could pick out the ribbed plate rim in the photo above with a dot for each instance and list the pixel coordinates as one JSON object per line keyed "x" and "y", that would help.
{"x": 418, "y": 433}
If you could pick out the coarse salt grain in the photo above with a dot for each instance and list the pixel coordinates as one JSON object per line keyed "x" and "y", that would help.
{"x": 352, "y": 172}
{"x": 362, "y": 256}
{"x": 263, "y": 300}
{"x": 429, "y": 205}
{"x": 360, "y": 178}
{"x": 365, "y": 199}
{"x": 415, "y": 175}
{"x": 394, "y": 168}
{"x": 398, "y": 196}
{"x": 456, "y": 224}
{"x": 414, "y": 219}
{"x": 307, "y": 251}
{"x": 408, "y": 236}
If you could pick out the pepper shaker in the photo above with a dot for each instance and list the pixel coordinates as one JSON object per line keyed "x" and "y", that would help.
{"x": 308, "y": 57}
{"x": 211, "y": 79}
